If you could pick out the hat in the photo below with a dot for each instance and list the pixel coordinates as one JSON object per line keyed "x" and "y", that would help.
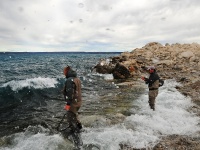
{"x": 66, "y": 69}
{"x": 150, "y": 67}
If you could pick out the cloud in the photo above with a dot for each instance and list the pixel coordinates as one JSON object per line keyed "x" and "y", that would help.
{"x": 88, "y": 25}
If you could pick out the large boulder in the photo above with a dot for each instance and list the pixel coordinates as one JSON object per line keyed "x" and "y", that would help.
{"x": 103, "y": 69}
{"x": 120, "y": 72}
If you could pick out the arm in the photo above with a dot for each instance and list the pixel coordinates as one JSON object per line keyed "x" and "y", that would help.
{"x": 152, "y": 78}
{"x": 145, "y": 79}
{"x": 65, "y": 96}
{"x": 153, "y": 81}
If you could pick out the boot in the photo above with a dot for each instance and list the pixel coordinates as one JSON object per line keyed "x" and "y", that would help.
{"x": 79, "y": 125}
{"x": 152, "y": 107}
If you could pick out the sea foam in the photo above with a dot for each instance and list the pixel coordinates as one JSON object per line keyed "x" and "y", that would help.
{"x": 144, "y": 127}
{"x": 37, "y": 83}
{"x": 41, "y": 140}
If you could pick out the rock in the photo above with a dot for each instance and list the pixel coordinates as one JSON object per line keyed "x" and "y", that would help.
{"x": 186, "y": 54}
{"x": 167, "y": 44}
{"x": 165, "y": 62}
{"x": 120, "y": 72}
{"x": 198, "y": 64}
{"x": 178, "y": 142}
{"x": 176, "y": 61}
{"x": 104, "y": 69}
{"x": 153, "y": 44}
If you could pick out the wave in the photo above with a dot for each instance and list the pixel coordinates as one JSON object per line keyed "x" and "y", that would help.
{"x": 34, "y": 138}
{"x": 28, "y": 95}
{"x": 143, "y": 129}
{"x": 36, "y": 83}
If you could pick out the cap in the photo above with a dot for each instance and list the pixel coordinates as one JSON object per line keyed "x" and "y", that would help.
{"x": 66, "y": 69}
{"x": 150, "y": 67}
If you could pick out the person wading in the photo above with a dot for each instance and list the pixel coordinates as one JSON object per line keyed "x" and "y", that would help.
{"x": 72, "y": 96}
{"x": 153, "y": 85}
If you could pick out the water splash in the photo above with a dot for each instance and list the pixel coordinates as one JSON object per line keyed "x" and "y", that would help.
{"x": 37, "y": 83}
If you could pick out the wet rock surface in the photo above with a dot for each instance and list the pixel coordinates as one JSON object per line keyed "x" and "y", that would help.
{"x": 179, "y": 143}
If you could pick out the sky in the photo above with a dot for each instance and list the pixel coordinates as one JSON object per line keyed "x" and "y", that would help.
{"x": 96, "y": 25}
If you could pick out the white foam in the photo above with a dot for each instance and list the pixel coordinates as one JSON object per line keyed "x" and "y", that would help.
{"x": 37, "y": 141}
{"x": 37, "y": 83}
{"x": 145, "y": 127}
{"x": 105, "y": 76}
{"x": 108, "y": 76}
{"x": 142, "y": 129}
{"x": 171, "y": 115}
{"x": 109, "y": 138}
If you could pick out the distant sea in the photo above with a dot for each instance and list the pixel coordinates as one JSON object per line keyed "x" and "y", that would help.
{"x": 31, "y": 100}
{"x": 28, "y": 81}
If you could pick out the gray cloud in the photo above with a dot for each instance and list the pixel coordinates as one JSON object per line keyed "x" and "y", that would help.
{"x": 114, "y": 25}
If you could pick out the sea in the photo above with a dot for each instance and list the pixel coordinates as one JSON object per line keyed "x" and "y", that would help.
{"x": 114, "y": 117}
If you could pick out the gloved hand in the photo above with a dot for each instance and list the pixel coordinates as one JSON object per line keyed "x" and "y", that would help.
{"x": 143, "y": 78}
{"x": 67, "y": 107}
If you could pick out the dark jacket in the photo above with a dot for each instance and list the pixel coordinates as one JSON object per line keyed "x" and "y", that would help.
{"x": 153, "y": 81}
{"x": 77, "y": 101}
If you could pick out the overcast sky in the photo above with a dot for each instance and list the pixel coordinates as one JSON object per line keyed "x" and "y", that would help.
{"x": 96, "y": 25}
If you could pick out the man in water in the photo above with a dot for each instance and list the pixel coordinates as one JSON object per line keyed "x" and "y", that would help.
{"x": 74, "y": 102}
{"x": 153, "y": 84}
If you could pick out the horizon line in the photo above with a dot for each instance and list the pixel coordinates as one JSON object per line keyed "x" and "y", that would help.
{"x": 61, "y": 52}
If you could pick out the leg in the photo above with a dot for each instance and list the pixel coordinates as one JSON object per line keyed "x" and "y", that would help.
{"x": 77, "y": 141}
{"x": 152, "y": 97}
{"x": 75, "y": 128}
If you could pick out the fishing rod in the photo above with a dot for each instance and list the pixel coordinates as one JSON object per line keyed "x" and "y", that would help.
{"x": 61, "y": 121}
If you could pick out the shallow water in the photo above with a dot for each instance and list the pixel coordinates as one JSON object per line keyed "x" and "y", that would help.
{"x": 144, "y": 127}
{"x": 141, "y": 129}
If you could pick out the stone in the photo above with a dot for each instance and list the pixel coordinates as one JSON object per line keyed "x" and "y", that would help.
{"x": 165, "y": 62}
{"x": 186, "y": 54}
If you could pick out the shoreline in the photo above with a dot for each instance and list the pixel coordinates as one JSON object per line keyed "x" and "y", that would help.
{"x": 176, "y": 61}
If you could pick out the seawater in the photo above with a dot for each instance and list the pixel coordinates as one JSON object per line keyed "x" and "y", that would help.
{"x": 31, "y": 84}
{"x": 31, "y": 103}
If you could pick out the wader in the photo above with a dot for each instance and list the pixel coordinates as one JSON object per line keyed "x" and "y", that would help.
{"x": 70, "y": 129}
{"x": 152, "y": 98}
{"x": 153, "y": 93}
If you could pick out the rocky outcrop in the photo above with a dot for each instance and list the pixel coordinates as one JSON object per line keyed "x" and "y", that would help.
{"x": 118, "y": 70}
{"x": 178, "y": 61}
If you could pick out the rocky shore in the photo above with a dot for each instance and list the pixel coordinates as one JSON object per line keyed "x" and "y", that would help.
{"x": 176, "y": 61}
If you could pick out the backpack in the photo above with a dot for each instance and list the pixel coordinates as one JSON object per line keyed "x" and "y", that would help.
{"x": 70, "y": 89}
{"x": 161, "y": 82}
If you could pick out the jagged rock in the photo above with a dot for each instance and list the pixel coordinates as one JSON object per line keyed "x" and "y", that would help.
{"x": 120, "y": 72}
{"x": 104, "y": 69}
{"x": 175, "y": 61}
{"x": 172, "y": 61}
